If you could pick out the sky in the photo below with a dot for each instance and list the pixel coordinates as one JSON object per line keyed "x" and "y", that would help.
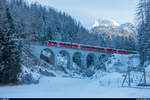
{"x": 87, "y": 11}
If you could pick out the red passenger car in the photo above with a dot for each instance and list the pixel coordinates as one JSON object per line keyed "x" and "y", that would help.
{"x": 111, "y": 50}
{"x": 126, "y": 52}
{"x": 85, "y": 47}
{"x": 99, "y": 49}
{"x": 53, "y": 43}
{"x": 88, "y": 47}
{"x": 70, "y": 45}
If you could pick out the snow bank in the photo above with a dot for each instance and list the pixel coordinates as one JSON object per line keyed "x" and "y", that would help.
{"x": 108, "y": 79}
{"x": 147, "y": 69}
{"x": 111, "y": 80}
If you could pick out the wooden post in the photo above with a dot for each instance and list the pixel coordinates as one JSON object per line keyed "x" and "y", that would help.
{"x": 144, "y": 77}
{"x": 129, "y": 84}
{"x": 125, "y": 77}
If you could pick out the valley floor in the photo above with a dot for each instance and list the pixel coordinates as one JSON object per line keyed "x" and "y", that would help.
{"x": 59, "y": 87}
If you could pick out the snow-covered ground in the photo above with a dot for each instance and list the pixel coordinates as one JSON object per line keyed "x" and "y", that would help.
{"x": 58, "y": 87}
{"x": 100, "y": 85}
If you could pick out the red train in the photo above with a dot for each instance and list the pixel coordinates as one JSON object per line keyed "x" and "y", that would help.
{"x": 88, "y": 47}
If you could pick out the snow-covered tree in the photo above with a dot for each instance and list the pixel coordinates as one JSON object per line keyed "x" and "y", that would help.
{"x": 10, "y": 51}
{"x": 38, "y": 23}
{"x": 143, "y": 13}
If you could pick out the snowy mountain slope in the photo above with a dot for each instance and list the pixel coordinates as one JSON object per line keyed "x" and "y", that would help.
{"x": 128, "y": 28}
{"x": 111, "y": 27}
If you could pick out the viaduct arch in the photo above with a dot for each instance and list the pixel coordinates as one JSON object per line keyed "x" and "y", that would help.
{"x": 83, "y": 58}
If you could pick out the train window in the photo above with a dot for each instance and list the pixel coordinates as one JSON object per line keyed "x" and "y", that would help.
{"x": 99, "y": 49}
{"x": 126, "y": 52}
{"x": 49, "y": 43}
{"x": 92, "y": 48}
{"x": 111, "y": 50}
{"x": 60, "y": 44}
{"x": 88, "y": 47}
{"x": 52, "y": 43}
{"x": 131, "y": 52}
{"x": 122, "y": 52}
{"x": 74, "y": 45}
{"x": 134, "y": 53}
{"x": 84, "y": 47}
{"x": 67, "y": 44}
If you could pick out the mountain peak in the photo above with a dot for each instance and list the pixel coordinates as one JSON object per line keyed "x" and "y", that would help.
{"x": 104, "y": 22}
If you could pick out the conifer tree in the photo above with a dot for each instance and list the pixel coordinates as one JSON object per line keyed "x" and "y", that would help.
{"x": 143, "y": 13}
{"x": 10, "y": 51}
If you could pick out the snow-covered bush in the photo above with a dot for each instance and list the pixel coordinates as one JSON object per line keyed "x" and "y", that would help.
{"x": 28, "y": 76}
{"x": 120, "y": 63}
{"x": 62, "y": 61}
{"x": 46, "y": 69}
